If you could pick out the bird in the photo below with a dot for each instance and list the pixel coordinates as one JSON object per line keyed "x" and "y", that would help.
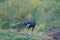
{"x": 30, "y": 23}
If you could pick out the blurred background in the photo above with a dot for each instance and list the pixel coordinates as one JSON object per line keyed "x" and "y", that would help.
{"x": 18, "y": 11}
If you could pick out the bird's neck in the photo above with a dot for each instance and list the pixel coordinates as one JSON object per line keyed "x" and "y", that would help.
{"x": 34, "y": 16}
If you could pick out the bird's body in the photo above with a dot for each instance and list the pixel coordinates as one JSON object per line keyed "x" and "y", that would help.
{"x": 30, "y": 23}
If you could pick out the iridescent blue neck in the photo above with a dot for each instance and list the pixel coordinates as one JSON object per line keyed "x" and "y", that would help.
{"x": 34, "y": 16}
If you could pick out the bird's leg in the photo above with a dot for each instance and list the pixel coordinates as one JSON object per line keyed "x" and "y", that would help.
{"x": 32, "y": 28}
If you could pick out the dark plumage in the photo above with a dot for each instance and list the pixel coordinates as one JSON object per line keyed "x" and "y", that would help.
{"x": 30, "y": 23}
{"x": 23, "y": 24}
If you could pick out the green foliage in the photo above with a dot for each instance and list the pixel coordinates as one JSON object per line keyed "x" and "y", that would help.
{"x": 14, "y": 11}
{"x": 10, "y": 36}
{"x": 48, "y": 12}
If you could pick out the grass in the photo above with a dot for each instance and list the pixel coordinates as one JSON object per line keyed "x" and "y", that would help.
{"x": 7, "y": 35}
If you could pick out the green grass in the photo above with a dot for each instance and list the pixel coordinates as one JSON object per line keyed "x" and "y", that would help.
{"x": 13, "y": 36}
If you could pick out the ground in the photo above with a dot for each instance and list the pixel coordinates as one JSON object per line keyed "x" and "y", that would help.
{"x": 13, "y": 33}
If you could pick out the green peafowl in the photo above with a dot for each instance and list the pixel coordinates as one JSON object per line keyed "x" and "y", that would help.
{"x": 30, "y": 22}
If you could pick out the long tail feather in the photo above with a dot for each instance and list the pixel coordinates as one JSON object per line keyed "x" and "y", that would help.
{"x": 17, "y": 24}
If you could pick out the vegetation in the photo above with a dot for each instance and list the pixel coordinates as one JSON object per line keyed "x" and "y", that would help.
{"x": 14, "y": 11}
{"x": 11, "y": 36}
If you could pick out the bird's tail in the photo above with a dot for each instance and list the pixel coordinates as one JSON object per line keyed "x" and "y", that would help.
{"x": 17, "y": 24}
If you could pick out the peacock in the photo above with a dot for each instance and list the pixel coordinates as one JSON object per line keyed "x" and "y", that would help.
{"x": 30, "y": 23}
